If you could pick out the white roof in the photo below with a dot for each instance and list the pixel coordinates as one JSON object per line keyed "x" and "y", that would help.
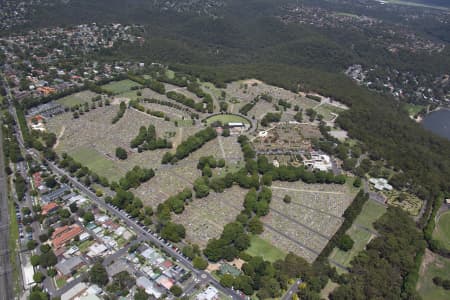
{"x": 209, "y": 294}
{"x": 74, "y": 291}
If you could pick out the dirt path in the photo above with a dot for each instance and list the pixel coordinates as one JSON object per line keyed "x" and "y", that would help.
{"x": 221, "y": 147}
{"x": 59, "y": 136}
{"x": 179, "y": 138}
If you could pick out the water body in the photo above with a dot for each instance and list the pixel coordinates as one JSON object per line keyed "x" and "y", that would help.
{"x": 438, "y": 122}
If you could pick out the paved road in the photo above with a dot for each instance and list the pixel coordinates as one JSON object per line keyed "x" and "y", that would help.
{"x": 292, "y": 290}
{"x": 6, "y": 282}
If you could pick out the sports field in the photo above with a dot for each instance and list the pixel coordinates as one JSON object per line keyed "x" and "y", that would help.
{"x": 442, "y": 230}
{"x": 433, "y": 265}
{"x": 261, "y": 247}
{"x": 121, "y": 86}
{"x": 227, "y": 118}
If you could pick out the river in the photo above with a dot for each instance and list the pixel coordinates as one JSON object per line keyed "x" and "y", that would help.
{"x": 438, "y": 122}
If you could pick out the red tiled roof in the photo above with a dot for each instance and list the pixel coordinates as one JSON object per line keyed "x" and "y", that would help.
{"x": 64, "y": 234}
{"x": 49, "y": 207}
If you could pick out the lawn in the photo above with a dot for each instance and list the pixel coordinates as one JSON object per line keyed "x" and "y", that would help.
{"x": 370, "y": 213}
{"x": 170, "y": 74}
{"x": 96, "y": 162}
{"x": 77, "y": 98}
{"x": 413, "y": 109}
{"x": 433, "y": 265}
{"x": 260, "y": 247}
{"x": 60, "y": 282}
{"x": 227, "y": 118}
{"x": 119, "y": 87}
{"x": 360, "y": 237}
{"x": 442, "y": 230}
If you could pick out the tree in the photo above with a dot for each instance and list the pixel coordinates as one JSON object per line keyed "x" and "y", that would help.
{"x": 31, "y": 245}
{"x": 88, "y": 217}
{"x": 52, "y": 272}
{"x": 98, "y": 274}
{"x": 345, "y": 243}
{"x": 48, "y": 259}
{"x": 73, "y": 207}
{"x": 357, "y": 182}
{"x": 287, "y": 199}
{"x": 35, "y": 260}
{"x": 227, "y": 280}
{"x": 199, "y": 263}
{"x": 176, "y": 290}
{"x": 38, "y": 277}
{"x": 255, "y": 226}
{"x": 173, "y": 232}
{"x": 121, "y": 153}
{"x": 226, "y": 132}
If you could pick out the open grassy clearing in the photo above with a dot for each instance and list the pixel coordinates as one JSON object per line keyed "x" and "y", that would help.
{"x": 204, "y": 218}
{"x": 328, "y": 112}
{"x": 371, "y": 212}
{"x": 211, "y": 89}
{"x": 170, "y": 74}
{"x": 261, "y": 247}
{"x": 413, "y": 109}
{"x": 442, "y": 230}
{"x": 131, "y": 95}
{"x": 361, "y": 236}
{"x": 77, "y": 98}
{"x": 433, "y": 265}
{"x": 121, "y": 86}
{"x": 227, "y": 118}
{"x": 96, "y": 162}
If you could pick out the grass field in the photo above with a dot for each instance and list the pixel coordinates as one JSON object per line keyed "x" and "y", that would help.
{"x": 328, "y": 111}
{"x": 227, "y": 118}
{"x": 119, "y": 87}
{"x": 77, "y": 98}
{"x": 361, "y": 238}
{"x": 13, "y": 238}
{"x": 260, "y": 247}
{"x": 370, "y": 213}
{"x": 170, "y": 74}
{"x": 433, "y": 265}
{"x": 413, "y": 109}
{"x": 96, "y": 162}
{"x": 442, "y": 230}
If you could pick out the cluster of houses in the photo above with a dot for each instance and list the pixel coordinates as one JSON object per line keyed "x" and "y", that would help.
{"x": 158, "y": 272}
